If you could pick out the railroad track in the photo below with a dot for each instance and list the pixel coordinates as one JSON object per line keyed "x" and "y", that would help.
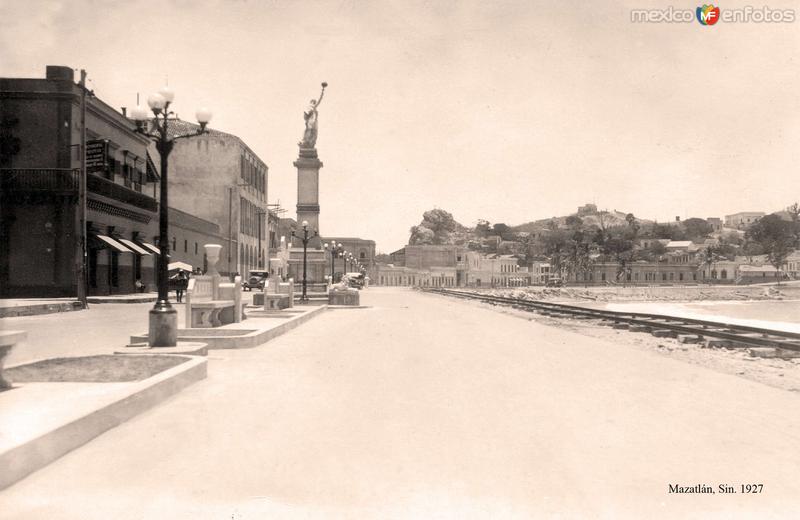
{"x": 687, "y": 330}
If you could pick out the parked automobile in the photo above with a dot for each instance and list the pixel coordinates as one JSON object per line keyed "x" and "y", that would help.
{"x": 255, "y": 280}
{"x": 356, "y": 280}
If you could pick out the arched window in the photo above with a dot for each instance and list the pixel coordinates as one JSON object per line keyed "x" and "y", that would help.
{"x": 723, "y": 274}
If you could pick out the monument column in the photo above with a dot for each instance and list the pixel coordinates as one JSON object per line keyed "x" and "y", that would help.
{"x": 308, "y": 165}
{"x": 311, "y": 260}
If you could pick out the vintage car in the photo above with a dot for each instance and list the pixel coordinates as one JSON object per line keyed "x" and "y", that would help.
{"x": 356, "y": 280}
{"x": 255, "y": 280}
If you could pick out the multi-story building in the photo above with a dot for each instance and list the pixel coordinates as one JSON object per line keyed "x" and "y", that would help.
{"x": 217, "y": 177}
{"x": 540, "y": 273}
{"x": 41, "y": 237}
{"x": 716, "y": 223}
{"x": 363, "y": 250}
{"x": 451, "y": 266}
{"x": 743, "y": 219}
{"x": 494, "y": 271}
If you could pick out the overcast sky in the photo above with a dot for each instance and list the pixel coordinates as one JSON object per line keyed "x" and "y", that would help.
{"x": 508, "y": 111}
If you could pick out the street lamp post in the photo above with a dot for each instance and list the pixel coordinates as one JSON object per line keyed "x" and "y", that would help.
{"x": 305, "y": 239}
{"x": 334, "y": 250}
{"x": 163, "y": 317}
{"x": 260, "y": 213}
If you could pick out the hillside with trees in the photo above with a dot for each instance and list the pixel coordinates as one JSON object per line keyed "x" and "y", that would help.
{"x": 574, "y": 243}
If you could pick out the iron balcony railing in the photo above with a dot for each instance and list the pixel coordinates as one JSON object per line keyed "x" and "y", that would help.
{"x": 119, "y": 192}
{"x": 27, "y": 180}
{"x": 66, "y": 181}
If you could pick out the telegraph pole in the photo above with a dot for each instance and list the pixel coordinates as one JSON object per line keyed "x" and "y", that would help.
{"x": 82, "y": 274}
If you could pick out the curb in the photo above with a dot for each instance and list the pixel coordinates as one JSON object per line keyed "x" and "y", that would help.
{"x": 99, "y": 300}
{"x": 34, "y": 454}
{"x": 41, "y": 308}
{"x": 250, "y": 338}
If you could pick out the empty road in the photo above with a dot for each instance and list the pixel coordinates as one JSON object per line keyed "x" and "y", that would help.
{"x": 426, "y": 407}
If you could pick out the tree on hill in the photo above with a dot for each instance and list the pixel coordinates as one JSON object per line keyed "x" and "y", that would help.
{"x": 696, "y": 228}
{"x": 776, "y": 236}
{"x": 482, "y": 228}
{"x": 794, "y": 216}
{"x": 500, "y": 229}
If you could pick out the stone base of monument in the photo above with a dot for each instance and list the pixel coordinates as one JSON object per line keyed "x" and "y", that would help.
{"x": 276, "y": 302}
{"x": 343, "y": 297}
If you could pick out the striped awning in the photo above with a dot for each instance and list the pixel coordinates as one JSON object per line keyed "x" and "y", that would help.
{"x": 134, "y": 246}
{"x": 114, "y": 244}
{"x": 151, "y": 247}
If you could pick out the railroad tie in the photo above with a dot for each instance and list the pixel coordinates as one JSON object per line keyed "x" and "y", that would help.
{"x": 664, "y": 333}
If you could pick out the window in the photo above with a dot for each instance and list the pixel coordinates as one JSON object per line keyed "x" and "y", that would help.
{"x": 174, "y": 243}
{"x": 185, "y": 246}
{"x": 195, "y": 248}
{"x": 723, "y": 274}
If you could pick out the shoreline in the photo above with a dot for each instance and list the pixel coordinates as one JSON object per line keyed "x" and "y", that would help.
{"x": 654, "y": 294}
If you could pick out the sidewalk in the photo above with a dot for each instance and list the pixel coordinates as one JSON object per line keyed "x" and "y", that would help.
{"x": 11, "y": 307}
{"x": 35, "y": 306}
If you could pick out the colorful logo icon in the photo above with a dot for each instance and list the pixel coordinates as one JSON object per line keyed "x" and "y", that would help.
{"x": 708, "y": 14}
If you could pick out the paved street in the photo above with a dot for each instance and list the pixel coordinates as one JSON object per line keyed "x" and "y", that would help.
{"x": 422, "y": 407}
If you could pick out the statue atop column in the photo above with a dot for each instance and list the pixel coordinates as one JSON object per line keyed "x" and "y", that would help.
{"x": 311, "y": 115}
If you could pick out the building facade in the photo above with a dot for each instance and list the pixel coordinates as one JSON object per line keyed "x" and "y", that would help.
{"x": 743, "y": 219}
{"x": 41, "y": 237}
{"x": 218, "y": 178}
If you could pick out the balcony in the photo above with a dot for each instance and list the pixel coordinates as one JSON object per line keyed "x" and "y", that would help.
{"x": 63, "y": 181}
{"x": 109, "y": 189}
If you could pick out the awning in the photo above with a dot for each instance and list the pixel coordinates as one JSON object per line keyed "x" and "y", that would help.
{"x": 180, "y": 265}
{"x": 134, "y": 246}
{"x": 114, "y": 244}
{"x": 151, "y": 247}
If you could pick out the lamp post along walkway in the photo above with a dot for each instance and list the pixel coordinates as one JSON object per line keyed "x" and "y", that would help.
{"x": 334, "y": 250}
{"x": 305, "y": 239}
{"x": 163, "y": 329}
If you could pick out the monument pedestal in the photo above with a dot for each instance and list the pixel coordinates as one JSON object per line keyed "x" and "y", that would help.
{"x": 316, "y": 263}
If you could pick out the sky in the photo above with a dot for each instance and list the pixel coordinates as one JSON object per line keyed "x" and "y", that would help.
{"x": 508, "y": 111}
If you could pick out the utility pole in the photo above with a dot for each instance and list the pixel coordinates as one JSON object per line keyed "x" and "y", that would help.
{"x": 82, "y": 275}
{"x": 230, "y": 226}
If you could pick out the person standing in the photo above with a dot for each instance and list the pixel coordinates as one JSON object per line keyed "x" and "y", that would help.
{"x": 182, "y": 281}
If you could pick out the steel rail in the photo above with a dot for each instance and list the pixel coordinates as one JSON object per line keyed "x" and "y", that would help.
{"x": 743, "y": 334}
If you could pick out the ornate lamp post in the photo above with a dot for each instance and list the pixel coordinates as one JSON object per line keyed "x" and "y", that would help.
{"x": 334, "y": 250}
{"x": 305, "y": 239}
{"x": 259, "y": 256}
{"x": 163, "y": 317}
